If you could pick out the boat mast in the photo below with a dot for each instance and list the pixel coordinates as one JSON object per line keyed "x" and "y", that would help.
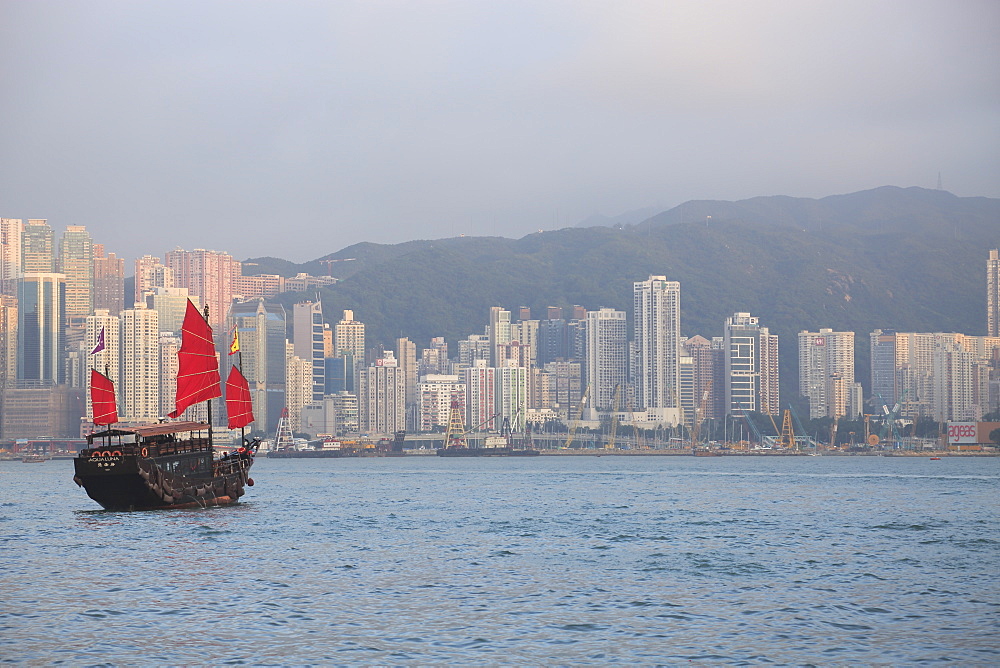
{"x": 208, "y": 404}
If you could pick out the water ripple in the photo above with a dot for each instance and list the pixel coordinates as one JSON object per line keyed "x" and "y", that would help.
{"x": 415, "y": 561}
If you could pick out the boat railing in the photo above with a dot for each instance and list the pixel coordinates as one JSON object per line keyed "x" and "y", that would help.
{"x": 148, "y": 448}
{"x": 230, "y": 465}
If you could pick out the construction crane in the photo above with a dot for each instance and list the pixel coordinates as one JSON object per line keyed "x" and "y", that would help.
{"x": 787, "y": 439}
{"x": 639, "y": 445}
{"x": 575, "y": 425}
{"x": 699, "y": 414}
{"x": 753, "y": 427}
{"x": 329, "y": 263}
{"x": 800, "y": 429}
{"x": 889, "y": 427}
{"x": 610, "y": 445}
{"x": 455, "y": 434}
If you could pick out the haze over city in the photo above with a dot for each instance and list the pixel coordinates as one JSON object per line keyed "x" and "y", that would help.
{"x": 297, "y": 128}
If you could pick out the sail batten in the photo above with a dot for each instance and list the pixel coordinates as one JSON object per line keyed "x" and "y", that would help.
{"x": 102, "y": 398}
{"x": 238, "y": 404}
{"x": 198, "y": 377}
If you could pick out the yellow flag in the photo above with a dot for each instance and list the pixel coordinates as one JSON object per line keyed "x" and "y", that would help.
{"x": 234, "y": 347}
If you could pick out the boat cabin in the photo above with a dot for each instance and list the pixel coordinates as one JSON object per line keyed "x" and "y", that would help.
{"x": 155, "y": 440}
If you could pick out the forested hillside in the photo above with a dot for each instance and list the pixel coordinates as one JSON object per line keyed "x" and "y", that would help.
{"x": 908, "y": 259}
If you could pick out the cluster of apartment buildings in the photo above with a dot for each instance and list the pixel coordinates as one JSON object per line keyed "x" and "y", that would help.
{"x": 586, "y": 366}
{"x": 60, "y": 293}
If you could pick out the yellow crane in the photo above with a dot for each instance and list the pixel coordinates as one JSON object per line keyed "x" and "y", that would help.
{"x": 787, "y": 432}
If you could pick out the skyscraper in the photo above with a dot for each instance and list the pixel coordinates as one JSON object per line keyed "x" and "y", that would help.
{"x": 8, "y": 341}
{"x": 10, "y": 254}
{"x": 298, "y": 386}
{"x": 406, "y": 354}
{"x": 657, "y": 342}
{"x": 993, "y": 293}
{"x": 76, "y": 262}
{"x": 109, "y": 281}
{"x": 826, "y": 372}
{"x": 210, "y": 275}
{"x": 751, "y": 363}
{"x": 38, "y": 247}
{"x": 382, "y": 396}
{"x": 307, "y": 328}
{"x": 499, "y": 333}
{"x": 349, "y": 336}
{"x": 607, "y": 356}
{"x": 41, "y": 317}
{"x": 139, "y": 374}
{"x": 262, "y": 331}
{"x": 103, "y": 331}
{"x": 436, "y": 392}
{"x": 705, "y": 362}
{"x": 151, "y": 273}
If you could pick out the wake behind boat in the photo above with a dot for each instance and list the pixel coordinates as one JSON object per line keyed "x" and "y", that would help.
{"x": 170, "y": 464}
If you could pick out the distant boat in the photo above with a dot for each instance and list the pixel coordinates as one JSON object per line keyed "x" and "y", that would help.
{"x": 170, "y": 464}
{"x": 33, "y": 459}
{"x": 933, "y": 458}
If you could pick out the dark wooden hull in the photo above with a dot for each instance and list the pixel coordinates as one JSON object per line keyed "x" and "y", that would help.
{"x": 123, "y": 479}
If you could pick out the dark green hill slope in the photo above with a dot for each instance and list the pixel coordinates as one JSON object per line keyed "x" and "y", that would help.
{"x": 792, "y": 277}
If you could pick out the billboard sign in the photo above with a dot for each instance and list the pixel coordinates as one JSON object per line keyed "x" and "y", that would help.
{"x": 962, "y": 433}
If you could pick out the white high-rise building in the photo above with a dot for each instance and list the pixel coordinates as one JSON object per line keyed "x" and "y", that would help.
{"x": 406, "y": 354}
{"x": 107, "y": 360}
{"x": 512, "y": 394}
{"x": 170, "y": 344}
{"x": 607, "y": 357}
{"x": 657, "y": 342}
{"x": 349, "y": 339}
{"x": 298, "y": 387}
{"x": 307, "y": 327}
{"x": 499, "y": 333}
{"x": 751, "y": 366}
{"x": 993, "y": 293}
{"x": 382, "y": 396}
{"x": 525, "y": 332}
{"x": 139, "y": 371}
{"x": 826, "y": 373}
{"x": 480, "y": 395}
{"x": 10, "y": 254}
{"x": 436, "y": 392}
{"x": 8, "y": 341}
{"x": 933, "y": 374}
{"x": 960, "y": 383}
{"x": 150, "y": 273}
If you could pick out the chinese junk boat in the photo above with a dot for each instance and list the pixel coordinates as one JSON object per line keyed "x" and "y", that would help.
{"x": 170, "y": 464}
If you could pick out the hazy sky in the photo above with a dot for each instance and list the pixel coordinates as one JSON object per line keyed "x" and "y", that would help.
{"x": 293, "y": 128}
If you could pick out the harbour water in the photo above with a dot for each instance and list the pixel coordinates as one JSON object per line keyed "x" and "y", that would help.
{"x": 544, "y": 560}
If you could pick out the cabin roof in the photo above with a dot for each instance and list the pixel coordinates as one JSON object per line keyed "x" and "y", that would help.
{"x": 159, "y": 429}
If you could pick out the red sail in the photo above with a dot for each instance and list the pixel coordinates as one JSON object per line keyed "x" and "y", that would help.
{"x": 238, "y": 404}
{"x": 198, "y": 373}
{"x": 102, "y": 398}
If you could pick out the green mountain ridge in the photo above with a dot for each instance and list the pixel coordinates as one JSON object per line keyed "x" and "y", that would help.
{"x": 908, "y": 259}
